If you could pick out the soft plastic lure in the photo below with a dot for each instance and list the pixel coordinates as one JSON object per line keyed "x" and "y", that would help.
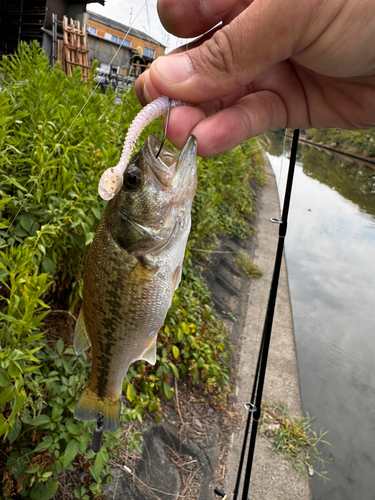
{"x": 111, "y": 181}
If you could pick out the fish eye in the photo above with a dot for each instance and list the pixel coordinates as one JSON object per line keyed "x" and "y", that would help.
{"x": 133, "y": 178}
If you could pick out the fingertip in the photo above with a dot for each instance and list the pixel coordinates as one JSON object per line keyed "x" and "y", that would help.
{"x": 181, "y": 123}
{"x": 144, "y": 89}
{"x": 139, "y": 90}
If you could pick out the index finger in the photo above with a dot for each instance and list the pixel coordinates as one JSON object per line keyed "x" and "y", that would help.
{"x": 190, "y": 19}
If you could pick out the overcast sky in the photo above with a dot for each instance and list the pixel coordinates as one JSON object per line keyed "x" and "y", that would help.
{"x": 139, "y": 14}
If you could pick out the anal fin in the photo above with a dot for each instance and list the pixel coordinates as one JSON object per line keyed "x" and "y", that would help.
{"x": 176, "y": 278}
{"x": 150, "y": 353}
{"x": 81, "y": 339}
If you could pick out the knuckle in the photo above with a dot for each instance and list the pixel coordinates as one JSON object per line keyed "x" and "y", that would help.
{"x": 218, "y": 54}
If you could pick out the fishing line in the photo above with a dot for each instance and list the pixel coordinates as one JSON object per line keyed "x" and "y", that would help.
{"x": 71, "y": 125}
{"x": 282, "y": 164}
{"x": 281, "y": 170}
{"x": 166, "y": 128}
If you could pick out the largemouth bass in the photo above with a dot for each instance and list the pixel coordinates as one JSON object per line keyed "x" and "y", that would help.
{"x": 133, "y": 268}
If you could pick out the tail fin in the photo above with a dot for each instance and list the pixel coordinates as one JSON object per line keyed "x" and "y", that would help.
{"x": 90, "y": 406}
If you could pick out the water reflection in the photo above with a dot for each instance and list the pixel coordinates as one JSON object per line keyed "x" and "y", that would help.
{"x": 354, "y": 180}
{"x": 329, "y": 248}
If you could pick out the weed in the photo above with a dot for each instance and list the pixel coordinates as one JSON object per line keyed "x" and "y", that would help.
{"x": 293, "y": 437}
{"x": 244, "y": 262}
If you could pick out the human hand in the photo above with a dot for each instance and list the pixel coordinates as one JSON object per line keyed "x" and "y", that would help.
{"x": 273, "y": 64}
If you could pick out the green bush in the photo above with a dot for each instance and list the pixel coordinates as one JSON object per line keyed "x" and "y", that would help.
{"x": 361, "y": 141}
{"x": 57, "y": 136}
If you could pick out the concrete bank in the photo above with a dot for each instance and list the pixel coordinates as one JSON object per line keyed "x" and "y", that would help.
{"x": 272, "y": 478}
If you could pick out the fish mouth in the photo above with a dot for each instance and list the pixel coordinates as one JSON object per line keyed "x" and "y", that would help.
{"x": 175, "y": 174}
{"x": 171, "y": 169}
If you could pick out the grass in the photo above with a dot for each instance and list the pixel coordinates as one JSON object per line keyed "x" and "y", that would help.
{"x": 244, "y": 262}
{"x": 293, "y": 437}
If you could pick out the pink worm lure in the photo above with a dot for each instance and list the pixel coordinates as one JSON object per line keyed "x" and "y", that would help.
{"x": 111, "y": 181}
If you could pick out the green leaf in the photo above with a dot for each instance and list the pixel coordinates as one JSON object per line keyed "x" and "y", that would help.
{"x": 60, "y": 346}
{"x": 57, "y": 411}
{"x": 83, "y": 440}
{"x": 79, "y": 240}
{"x": 85, "y": 227}
{"x": 4, "y": 378}
{"x": 18, "y": 405}
{"x": 32, "y": 368}
{"x": 48, "y": 265}
{"x": 97, "y": 212}
{"x": 70, "y": 452}
{"x": 45, "y": 444}
{"x": 73, "y": 428}
{"x": 7, "y": 394}
{"x": 138, "y": 446}
{"x": 13, "y": 370}
{"x": 200, "y": 362}
{"x": 175, "y": 351}
{"x": 15, "y": 432}
{"x": 131, "y": 392}
{"x": 27, "y": 221}
{"x": 44, "y": 491}
{"x": 167, "y": 390}
{"x": 32, "y": 469}
{"x": 175, "y": 370}
{"x": 4, "y": 426}
{"x": 19, "y": 231}
{"x": 40, "y": 420}
{"x": 101, "y": 459}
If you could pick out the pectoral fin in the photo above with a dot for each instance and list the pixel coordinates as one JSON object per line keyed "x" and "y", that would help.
{"x": 150, "y": 353}
{"x": 81, "y": 339}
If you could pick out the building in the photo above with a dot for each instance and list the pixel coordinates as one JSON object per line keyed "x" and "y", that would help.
{"x": 26, "y": 20}
{"x": 59, "y": 27}
{"x": 128, "y": 57}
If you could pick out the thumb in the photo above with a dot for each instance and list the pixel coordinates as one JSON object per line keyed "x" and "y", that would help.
{"x": 265, "y": 33}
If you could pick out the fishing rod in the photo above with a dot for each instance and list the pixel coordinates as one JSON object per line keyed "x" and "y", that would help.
{"x": 254, "y": 406}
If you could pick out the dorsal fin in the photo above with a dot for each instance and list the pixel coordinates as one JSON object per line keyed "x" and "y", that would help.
{"x": 81, "y": 339}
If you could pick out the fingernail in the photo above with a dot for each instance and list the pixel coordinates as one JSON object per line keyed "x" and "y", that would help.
{"x": 174, "y": 69}
{"x": 146, "y": 95}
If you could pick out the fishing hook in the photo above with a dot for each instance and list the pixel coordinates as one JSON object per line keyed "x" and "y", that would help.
{"x": 166, "y": 128}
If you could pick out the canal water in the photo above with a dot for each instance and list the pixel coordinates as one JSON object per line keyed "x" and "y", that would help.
{"x": 330, "y": 253}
